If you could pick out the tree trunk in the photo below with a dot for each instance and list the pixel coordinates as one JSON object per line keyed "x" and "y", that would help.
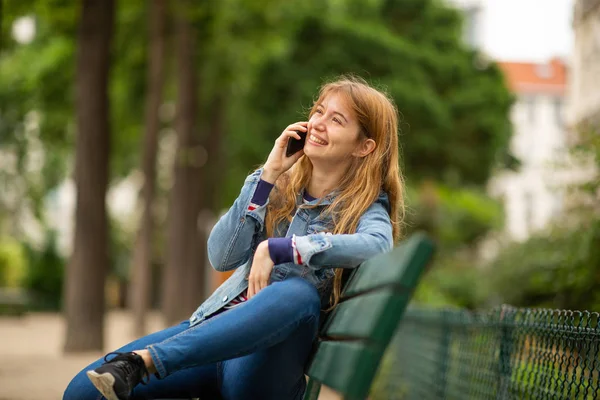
{"x": 214, "y": 175}
{"x": 214, "y": 147}
{"x": 141, "y": 271}
{"x": 86, "y": 271}
{"x": 183, "y": 277}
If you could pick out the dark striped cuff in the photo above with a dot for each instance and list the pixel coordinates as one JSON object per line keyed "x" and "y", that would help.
{"x": 261, "y": 195}
{"x": 280, "y": 250}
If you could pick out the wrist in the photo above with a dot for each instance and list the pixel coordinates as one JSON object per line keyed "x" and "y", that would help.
{"x": 269, "y": 175}
{"x": 263, "y": 248}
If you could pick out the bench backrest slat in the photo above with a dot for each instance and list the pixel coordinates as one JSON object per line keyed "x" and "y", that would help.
{"x": 364, "y": 317}
{"x": 398, "y": 267}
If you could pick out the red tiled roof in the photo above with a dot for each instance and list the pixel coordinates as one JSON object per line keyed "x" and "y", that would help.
{"x": 550, "y": 77}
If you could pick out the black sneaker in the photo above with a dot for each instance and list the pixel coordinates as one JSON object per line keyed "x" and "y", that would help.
{"x": 117, "y": 377}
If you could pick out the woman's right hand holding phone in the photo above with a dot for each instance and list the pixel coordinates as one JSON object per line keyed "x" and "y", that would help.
{"x": 277, "y": 162}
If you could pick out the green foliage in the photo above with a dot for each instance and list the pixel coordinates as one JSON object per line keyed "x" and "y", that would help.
{"x": 455, "y": 107}
{"x": 458, "y": 218}
{"x": 44, "y": 278}
{"x": 587, "y": 152}
{"x": 453, "y": 280}
{"x": 35, "y": 103}
{"x": 40, "y": 76}
{"x": 127, "y": 89}
{"x": 559, "y": 269}
{"x": 12, "y": 263}
{"x": 454, "y": 216}
{"x": 121, "y": 246}
{"x": 266, "y": 59}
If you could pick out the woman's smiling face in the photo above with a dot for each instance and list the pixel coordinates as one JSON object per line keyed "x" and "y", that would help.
{"x": 333, "y": 132}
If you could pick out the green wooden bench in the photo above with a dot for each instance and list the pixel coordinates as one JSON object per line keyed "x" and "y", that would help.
{"x": 354, "y": 337}
{"x": 356, "y": 334}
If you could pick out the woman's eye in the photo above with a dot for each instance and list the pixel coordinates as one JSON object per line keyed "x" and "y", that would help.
{"x": 319, "y": 111}
{"x": 335, "y": 119}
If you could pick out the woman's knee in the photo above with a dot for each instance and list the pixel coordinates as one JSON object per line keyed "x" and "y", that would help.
{"x": 302, "y": 294}
{"x": 81, "y": 388}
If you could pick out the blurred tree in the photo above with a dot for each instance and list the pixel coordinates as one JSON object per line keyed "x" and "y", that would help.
{"x": 38, "y": 76}
{"x": 456, "y": 123}
{"x": 87, "y": 268}
{"x": 234, "y": 37}
{"x": 45, "y": 275}
{"x": 183, "y": 262}
{"x": 12, "y": 263}
{"x": 557, "y": 269}
{"x": 455, "y": 217}
{"x": 253, "y": 69}
{"x": 141, "y": 272}
{"x": 35, "y": 105}
{"x": 1, "y": 19}
{"x": 128, "y": 87}
{"x": 36, "y": 102}
{"x": 458, "y": 219}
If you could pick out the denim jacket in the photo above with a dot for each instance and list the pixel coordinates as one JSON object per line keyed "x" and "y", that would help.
{"x": 235, "y": 237}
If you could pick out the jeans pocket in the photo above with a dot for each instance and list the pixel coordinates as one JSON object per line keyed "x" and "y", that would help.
{"x": 279, "y": 274}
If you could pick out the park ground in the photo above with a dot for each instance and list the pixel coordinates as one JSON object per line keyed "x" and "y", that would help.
{"x": 32, "y": 365}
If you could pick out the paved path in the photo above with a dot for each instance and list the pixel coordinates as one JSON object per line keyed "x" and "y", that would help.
{"x": 31, "y": 364}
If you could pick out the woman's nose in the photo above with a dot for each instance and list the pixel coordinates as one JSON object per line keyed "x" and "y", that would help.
{"x": 318, "y": 124}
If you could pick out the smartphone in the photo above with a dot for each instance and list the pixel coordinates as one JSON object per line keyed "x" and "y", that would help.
{"x": 295, "y": 145}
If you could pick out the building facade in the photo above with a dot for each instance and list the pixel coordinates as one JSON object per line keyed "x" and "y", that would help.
{"x": 472, "y": 11}
{"x": 584, "y": 113}
{"x": 585, "y": 87}
{"x": 534, "y": 194}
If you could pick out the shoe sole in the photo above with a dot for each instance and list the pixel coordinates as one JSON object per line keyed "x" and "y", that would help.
{"x": 104, "y": 383}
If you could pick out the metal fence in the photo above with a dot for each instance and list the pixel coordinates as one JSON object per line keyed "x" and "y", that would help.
{"x": 504, "y": 353}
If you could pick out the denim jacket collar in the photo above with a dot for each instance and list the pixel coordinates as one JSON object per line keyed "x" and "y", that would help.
{"x": 327, "y": 200}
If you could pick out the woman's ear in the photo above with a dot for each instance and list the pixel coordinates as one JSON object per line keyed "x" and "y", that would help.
{"x": 365, "y": 148}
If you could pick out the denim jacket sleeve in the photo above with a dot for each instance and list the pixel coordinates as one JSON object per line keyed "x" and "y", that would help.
{"x": 232, "y": 239}
{"x": 373, "y": 236}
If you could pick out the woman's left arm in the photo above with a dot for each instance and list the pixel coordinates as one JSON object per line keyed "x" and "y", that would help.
{"x": 323, "y": 250}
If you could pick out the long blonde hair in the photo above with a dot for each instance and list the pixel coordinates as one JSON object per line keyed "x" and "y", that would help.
{"x": 366, "y": 177}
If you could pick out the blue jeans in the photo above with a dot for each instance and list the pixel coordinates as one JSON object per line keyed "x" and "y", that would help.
{"x": 257, "y": 350}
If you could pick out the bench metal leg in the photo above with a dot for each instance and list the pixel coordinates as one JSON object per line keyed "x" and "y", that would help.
{"x": 312, "y": 390}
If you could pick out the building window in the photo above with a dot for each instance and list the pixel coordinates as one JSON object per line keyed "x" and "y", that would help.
{"x": 558, "y": 109}
{"x": 529, "y": 108}
{"x": 471, "y": 26}
{"x": 529, "y": 209}
{"x": 544, "y": 71}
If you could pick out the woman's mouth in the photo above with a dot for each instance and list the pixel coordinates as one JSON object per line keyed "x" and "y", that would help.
{"x": 315, "y": 140}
